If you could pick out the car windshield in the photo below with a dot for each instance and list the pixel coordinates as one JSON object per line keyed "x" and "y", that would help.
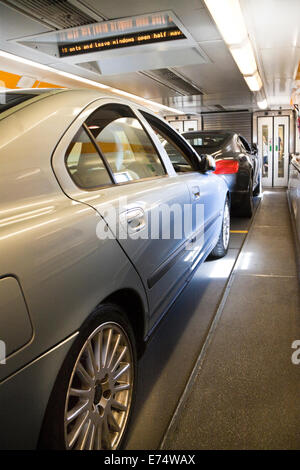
{"x": 206, "y": 140}
{"x": 10, "y": 99}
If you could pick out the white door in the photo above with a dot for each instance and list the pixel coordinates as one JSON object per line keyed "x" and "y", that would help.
{"x": 281, "y": 150}
{"x": 273, "y": 149}
{"x": 177, "y": 125}
{"x": 265, "y": 149}
{"x": 190, "y": 125}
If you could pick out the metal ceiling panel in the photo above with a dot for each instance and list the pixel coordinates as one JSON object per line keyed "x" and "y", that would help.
{"x": 212, "y": 72}
{"x": 173, "y": 80}
{"x": 145, "y": 59}
{"x": 55, "y": 13}
{"x": 274, "y": 30}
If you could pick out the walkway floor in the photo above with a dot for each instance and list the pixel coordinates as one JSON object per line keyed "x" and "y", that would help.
{"x": 246, "y": 390}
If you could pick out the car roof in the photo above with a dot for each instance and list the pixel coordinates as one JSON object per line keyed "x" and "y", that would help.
{"x": 52, "y": 91}
{"x": 89, "y": 92}
{"x": 30, "y": 91}
{"x": 87, "y": 95}
{"x": 210, "y": 131}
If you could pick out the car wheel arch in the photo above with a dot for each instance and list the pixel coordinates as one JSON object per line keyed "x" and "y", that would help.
{"x": 127, "y": 298}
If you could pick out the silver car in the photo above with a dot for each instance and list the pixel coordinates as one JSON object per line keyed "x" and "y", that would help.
{"x": 105, "y": 213}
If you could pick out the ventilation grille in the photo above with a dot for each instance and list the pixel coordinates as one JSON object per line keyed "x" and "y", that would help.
{"x": 174, "y": 81}
{"x": 239, "y": 122}
{"x": 59, "y": 14}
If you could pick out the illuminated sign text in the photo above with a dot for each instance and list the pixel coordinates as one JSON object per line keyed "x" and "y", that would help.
{"x": 116, "y": 42}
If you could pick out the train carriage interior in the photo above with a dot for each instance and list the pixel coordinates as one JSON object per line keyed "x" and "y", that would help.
{"x": 149, "y": 226}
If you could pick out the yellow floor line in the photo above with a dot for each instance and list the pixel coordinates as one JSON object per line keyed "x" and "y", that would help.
{"x": 238, "y": 231}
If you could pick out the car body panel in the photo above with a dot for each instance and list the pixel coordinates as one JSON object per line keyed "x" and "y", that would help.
{"x": 15, "y": 324}
{"x": 207, "y": 223}
{"x": 146, "y": 196}
{"x": 24, "y": 399}
{"x": 48, "y": 241}
{"x": 201, "y": 186}
{"x": 49, "y": 233}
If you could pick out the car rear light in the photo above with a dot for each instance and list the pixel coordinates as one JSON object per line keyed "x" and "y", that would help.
{"x": 225, "y": 167}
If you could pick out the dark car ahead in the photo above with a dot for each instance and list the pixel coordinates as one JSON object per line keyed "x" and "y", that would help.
{"x": 236, "y": 160}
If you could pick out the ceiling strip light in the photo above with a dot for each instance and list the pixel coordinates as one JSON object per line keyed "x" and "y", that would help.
{"x": 244, "y": 58}
{"x": 86, "y": 81}
{"x": 229, "y": 19}
{"x": 254, "y": 82}
{"x": 262, "y": 104}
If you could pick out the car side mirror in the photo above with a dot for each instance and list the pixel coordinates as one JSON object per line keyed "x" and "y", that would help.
{"x": 207, "y": 163}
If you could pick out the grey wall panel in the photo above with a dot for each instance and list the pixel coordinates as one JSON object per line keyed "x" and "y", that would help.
{"x": 237, "y": 122}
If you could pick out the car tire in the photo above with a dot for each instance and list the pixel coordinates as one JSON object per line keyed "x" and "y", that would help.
{"x": 246, "y": 208}
{"x": 93, "y": 397}
{"x": 222, "y": 245}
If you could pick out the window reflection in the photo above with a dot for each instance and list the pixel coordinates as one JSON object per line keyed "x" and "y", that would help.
{"x": 124, "y": 143}
{"x": 265, "y": 151}
{"x": 280, "y": 149}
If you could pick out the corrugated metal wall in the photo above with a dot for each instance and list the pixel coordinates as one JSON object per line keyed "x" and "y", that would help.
{"x": 237, "y": 122}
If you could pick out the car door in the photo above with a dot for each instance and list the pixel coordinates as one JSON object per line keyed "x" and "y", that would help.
{"x": 204, "y": 190}
{"x": 116, "y": 168}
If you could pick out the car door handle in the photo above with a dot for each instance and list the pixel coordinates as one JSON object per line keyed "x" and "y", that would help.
{"x": 135, "y": 219}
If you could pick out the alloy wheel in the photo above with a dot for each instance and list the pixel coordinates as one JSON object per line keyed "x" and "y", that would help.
{"x": 99, "y": 394}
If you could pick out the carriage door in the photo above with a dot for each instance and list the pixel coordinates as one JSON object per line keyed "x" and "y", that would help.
{"x": 273, "y": 148}
{"x": 281, "y": 150}
{"x": 265, "y": 149}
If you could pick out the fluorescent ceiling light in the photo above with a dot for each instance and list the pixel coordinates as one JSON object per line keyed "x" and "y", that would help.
{"x": 262, "y": 104}
{"x": 71, "y": 76}
{"x": 229, "y": 19}
{"x": 254, "y": 82}
{"x": 244, "y": 58}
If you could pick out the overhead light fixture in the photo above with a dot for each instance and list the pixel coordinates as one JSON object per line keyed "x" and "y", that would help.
{"x": 229, "y": 19}
{"x": 262, "y": 104}
{"x": 244, "y": 58}
{"x": 254, "y": 82}
{"x": 71, "y": 76}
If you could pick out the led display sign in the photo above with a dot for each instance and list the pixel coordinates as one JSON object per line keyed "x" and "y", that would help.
{"x": 123, "y": 40}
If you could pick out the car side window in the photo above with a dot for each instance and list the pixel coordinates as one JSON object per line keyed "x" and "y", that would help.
{"x": 244, "y": 144}
{"x": 84, "y": 163}
{"x": 178, "y": 157}
{"x": 124, "y": 144}
{"x": 240, "y": 144}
